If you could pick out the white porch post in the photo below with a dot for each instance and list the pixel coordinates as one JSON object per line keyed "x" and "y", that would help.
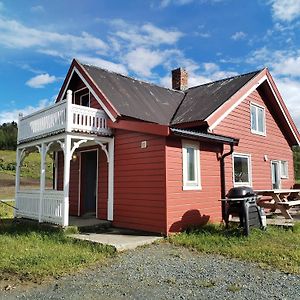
{"x": 18, "y": 161}
{"x": 42, "y": 180}
{"x": 69, "y": 120}
{"x": 67, "y": 154}
{"x": 110, "y": 204}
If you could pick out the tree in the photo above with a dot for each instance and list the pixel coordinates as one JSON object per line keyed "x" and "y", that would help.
{"x": 8, "y": 136}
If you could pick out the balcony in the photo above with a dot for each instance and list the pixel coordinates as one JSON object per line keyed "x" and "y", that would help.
{"x": 62, "y": 117}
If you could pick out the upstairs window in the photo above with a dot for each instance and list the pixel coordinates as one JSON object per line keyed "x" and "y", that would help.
{"x": 191, "y": 165}
{"x": 258, "y": 120}
{"x": 85, "y": 100}
{"x": 241, "y": 169}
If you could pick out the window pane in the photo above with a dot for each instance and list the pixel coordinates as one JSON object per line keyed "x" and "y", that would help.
{"x": 284, "y": 170}
{"x": 260, "y": 119}
{"x": 241, "y": 172}
{"x": 253, "y": 117}
{"x": 85, "y": 100}
{"x": 190, "y": 152}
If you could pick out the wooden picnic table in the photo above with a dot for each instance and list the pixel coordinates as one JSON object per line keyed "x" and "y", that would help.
{"x": 282, "y": 199}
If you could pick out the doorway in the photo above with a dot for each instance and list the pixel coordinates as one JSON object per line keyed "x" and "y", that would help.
{"x": 89, "y": 174}
{"x": 275, "y": 171}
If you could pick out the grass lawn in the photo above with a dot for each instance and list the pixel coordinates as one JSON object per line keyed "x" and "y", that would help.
{"x": 31, "y": 253}
{"x": 276, "y": 247}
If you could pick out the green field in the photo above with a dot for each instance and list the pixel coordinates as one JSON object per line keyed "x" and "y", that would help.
{"x": 30, "y": 168}
{"x": 30, "y": 172}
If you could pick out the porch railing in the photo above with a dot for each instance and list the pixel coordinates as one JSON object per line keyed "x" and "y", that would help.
{"x": 62, "y": 116}
{"x": 27, "y": 202}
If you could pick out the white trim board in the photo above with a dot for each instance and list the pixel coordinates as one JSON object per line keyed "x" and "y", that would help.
{"x": 90, "y": 89}
{"x": 237, "y": 103}
{"x": 264, "y": 78}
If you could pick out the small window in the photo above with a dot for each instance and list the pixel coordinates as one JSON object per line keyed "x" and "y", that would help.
{"x": 191, "y": 165}
{"x": 284, "y": 169}
{"x": 85, "y": 100}
{"x": 241, "y": 169}
{"x": 258, "y": 125}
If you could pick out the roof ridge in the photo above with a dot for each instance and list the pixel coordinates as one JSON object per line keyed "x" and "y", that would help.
{"x": 129, "y": 77}
{"x": 223, "y": 79}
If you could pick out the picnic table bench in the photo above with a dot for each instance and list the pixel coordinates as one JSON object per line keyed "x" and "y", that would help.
{"x": 282, "y": 199}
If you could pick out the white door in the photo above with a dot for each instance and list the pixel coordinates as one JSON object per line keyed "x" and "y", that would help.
{"x": 275, "y": 170}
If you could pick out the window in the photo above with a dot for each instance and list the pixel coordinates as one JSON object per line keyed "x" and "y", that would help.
{"x": 258, "y": 125}
{"x": 284, "y": 169}
{"x": 85, "y": 100}
{"x": 241, "y": 169}
{"x": 191, "y": 165}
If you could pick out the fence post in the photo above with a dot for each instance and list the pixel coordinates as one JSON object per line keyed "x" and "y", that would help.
{"x": 42, "y": 180}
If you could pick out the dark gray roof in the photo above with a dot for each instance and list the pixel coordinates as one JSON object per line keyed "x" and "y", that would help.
{"x": 148, "y": 102}
{"x": 136, "y": 99}
{"x": 201, "y": 101}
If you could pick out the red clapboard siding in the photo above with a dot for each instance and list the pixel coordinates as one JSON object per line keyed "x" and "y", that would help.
{"x": 186, "y": 208}
{"x": 274, "y": 144}
{"x": 139, "y": 187}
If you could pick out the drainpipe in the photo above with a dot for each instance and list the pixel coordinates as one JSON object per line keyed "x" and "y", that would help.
{"x": 223, "y": 182}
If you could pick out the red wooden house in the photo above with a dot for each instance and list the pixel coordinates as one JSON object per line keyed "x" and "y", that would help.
{"x": 151, "y": 158}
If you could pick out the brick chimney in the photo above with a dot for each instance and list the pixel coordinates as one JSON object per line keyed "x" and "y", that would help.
{"x": 179, "y": 79}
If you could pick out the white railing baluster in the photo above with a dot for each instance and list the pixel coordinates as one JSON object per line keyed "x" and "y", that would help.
{"x": 54, "y": 119}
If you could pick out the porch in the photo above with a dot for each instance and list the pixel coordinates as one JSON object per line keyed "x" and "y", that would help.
{"x": 62, "y": 128}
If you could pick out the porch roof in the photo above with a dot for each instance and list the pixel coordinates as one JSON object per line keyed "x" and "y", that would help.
{"x": 204, "y": 136}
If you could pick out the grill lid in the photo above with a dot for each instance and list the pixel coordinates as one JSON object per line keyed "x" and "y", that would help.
{"x": 240, "y": 192}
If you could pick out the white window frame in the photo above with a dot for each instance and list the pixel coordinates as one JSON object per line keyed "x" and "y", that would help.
{"x": 282, "y": 175}
{"x": 242, "y": 155}
{"x": 257, "y": 106}
{"x": 187, "y": 184}
{"x": 80, "y": 98}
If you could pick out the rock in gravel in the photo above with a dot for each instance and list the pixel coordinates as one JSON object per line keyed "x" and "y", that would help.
{"x": 164, "y": 271}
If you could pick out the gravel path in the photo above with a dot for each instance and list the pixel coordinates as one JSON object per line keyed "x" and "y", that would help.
{"x": 164, "y": 271}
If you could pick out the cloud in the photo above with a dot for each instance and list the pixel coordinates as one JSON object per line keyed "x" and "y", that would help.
{"x": 41, "y": 80}
{"x": 37, "y": 9}
{"x": 16, "y": 35}
{"x": 288, "y": 66}
{"x": 1, "y": 6}
{"x": 144, "y": 35}
{"x": 165, "y": 3}
{"x": 101, "y": 63}
{"x": 13, "y": 115}
{"x": 239, "y": 35}
{"x": 285, "y": 10}
{"x": 290, "y": 91}
{"x": 142, "y": 60}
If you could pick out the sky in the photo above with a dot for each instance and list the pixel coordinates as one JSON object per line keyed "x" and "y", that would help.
{"x": 212, "y": 39}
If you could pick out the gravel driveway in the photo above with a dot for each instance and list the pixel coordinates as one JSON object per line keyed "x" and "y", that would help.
{"x": 164, "y": 271}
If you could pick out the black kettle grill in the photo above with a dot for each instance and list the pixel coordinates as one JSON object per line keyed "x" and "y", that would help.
{"x": 241, "y": 201}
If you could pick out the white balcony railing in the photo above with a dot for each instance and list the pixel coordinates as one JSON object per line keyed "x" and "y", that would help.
{"x": 62, "y": 116}
{"x": 28, "y": 202}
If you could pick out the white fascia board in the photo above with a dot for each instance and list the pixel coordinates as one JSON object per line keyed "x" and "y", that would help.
{"x": 91, "y": 90}
{"x": 237, "y": 103}
{"x": 283, "y": 112}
